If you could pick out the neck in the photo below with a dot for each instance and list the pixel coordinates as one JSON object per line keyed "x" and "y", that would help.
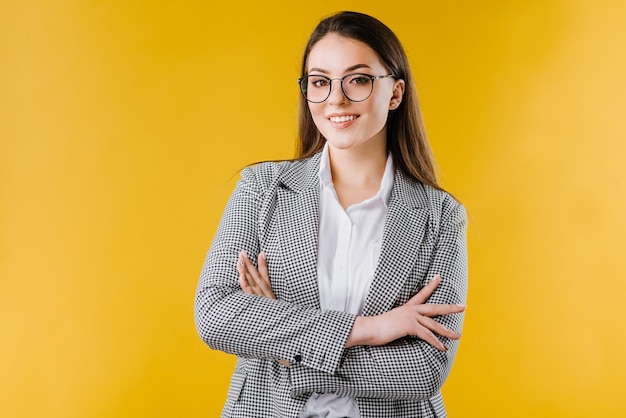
{"x": 361, "y": 167}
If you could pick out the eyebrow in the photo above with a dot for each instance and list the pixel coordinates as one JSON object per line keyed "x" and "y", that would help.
{"x": 351, "y": 68}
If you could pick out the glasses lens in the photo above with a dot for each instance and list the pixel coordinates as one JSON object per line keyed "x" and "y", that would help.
{"x": 315, "y": 88}
{"x": 357, "y": 87}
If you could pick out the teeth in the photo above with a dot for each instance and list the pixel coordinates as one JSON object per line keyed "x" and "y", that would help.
{"x": 342, "y": 118}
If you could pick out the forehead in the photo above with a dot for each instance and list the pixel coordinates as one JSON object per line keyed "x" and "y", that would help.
{"x": 335, "y": 53}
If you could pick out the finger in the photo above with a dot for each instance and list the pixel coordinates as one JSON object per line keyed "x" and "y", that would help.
{"x": 258, "y": 284}
{"x": 435, "y": 309}
{"x": 263, "y": 272}
{"x": 244, "y": 273}
{"x": 244, "y": 285}
{"x": 262, "y": 263}
{"x": 438, "y": 328}
{"x": 425, "y": 292}
{"x": 426, "y": 335}
{"x": 243, "y": 281}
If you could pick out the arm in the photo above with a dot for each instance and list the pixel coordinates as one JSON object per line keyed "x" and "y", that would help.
{"x": 230, "y": 320}
{"x": 409, "y": 367}
{"x": 413, "y": 318}
{"x": 382, "y": 363}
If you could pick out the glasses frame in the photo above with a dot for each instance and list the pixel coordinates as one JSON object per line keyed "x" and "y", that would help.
{"x": 341, "y": 79}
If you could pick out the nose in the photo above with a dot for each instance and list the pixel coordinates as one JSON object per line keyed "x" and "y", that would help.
{"x": 336, "y": 92}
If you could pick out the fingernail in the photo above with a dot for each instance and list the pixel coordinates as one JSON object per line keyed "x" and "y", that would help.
{"x": 461, "y": 305}
{"x": 244, "y": 253}
{"x": 437, "y": 277}
{"x": 263, "y": 255}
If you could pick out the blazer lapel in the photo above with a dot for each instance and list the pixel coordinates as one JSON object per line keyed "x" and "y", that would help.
{"x": 404, "y": 232}
{"x": 298, "y": 214}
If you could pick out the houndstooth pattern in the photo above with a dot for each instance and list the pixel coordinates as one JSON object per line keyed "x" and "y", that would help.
{"x": 275, "y": 208}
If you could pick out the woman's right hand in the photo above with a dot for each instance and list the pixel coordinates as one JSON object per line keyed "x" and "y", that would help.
{"x": 413, "y": 318}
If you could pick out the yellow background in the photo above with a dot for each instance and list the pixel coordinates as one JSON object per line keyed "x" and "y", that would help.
{"x": 123, "y": 125}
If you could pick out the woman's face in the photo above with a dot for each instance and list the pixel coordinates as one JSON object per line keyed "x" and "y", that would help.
{"x": 346, "y": 124}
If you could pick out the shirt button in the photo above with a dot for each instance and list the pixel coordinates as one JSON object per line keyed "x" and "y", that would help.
{"x": 298, "y": 358}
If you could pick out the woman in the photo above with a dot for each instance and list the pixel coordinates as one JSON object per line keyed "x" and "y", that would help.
{"x": 349, "y": 242}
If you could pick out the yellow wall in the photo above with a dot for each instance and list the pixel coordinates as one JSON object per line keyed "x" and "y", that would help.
{"x": 122, "y": 124}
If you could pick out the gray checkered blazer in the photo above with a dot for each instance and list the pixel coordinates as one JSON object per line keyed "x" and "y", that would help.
{"x": 275, "y": 208}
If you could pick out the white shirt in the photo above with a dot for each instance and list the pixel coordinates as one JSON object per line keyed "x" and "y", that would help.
{"x": 348, "y": 249}
{"x": 349, "y": 242}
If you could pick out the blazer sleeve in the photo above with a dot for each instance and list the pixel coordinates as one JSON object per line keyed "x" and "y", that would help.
{"x": 253, "y": 326}
{"x": 408, "y": 368}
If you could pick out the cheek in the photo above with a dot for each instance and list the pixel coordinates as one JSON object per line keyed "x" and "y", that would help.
{"x": 380, "y": 111}
{"x": 382, "y": 104}
{"x": 315, "y": 109}
{"x": 317, "y": 113}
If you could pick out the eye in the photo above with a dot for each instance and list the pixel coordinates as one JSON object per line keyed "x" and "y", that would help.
{"x": 359, "y": 79}
{"x": 318, "y": 81}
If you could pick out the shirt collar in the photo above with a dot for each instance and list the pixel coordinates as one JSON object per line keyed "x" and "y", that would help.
{"x": 386, "y": 184}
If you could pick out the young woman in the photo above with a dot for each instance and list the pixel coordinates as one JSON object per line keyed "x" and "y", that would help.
{"x": 339, "y": 278}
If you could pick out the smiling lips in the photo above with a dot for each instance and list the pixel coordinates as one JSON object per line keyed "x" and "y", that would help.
{"x": 346, "y": 118}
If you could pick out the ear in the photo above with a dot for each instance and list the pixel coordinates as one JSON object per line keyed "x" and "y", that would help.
{"x": 397, "y": 94}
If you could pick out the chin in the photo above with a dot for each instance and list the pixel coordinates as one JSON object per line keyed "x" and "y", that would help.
{"x": 342, "y": 143}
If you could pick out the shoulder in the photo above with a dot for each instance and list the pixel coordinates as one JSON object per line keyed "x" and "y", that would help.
{"x": 441, "y": 205}
{"x": 293, "y": 174}
{"x": 443, "y": 202}
{"x": 261, "y": 173}
{"x": 452, "y": 214}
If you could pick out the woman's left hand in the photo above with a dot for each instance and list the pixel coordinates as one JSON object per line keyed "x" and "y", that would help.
{"x": 254, "y": 281}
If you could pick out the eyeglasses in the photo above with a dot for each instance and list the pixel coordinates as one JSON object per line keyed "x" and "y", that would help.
{"x": 356, "y": 87}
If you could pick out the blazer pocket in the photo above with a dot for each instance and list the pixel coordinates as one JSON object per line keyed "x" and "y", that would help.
{"x": 436, "y": 404}
{"x": 234, "y": 391}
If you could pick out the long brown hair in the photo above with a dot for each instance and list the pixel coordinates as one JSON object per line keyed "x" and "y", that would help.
{"x": 406, "y": 137}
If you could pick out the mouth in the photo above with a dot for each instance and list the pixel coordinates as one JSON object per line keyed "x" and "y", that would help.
{"x": 343, "y": 118}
